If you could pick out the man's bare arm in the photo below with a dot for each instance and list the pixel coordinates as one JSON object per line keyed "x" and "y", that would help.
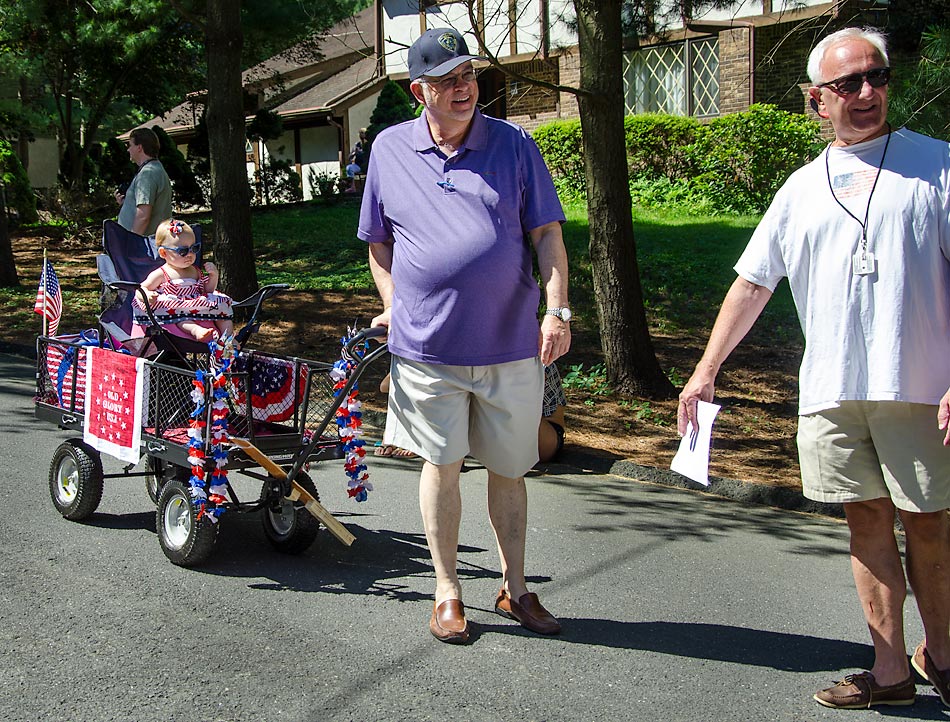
{"x": 741, "y": 307}
{"x": 555, "y": 339}
{"x": 143, "y": 214}
{"x": 380, "y": 265}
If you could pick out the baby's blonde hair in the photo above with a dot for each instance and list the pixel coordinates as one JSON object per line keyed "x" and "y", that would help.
{"x": 170, "y": 230}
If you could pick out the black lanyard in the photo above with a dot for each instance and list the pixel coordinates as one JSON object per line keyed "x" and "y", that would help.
{"x": 867, "y": 211}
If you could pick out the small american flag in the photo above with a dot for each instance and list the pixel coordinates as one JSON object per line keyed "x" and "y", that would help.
{"x": 49, "y": 298}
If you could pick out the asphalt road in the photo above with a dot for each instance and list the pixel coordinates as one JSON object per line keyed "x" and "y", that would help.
{"x": 676, "y": 606}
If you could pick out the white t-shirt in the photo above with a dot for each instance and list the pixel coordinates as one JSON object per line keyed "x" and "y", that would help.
{"x": 884, "y": 336}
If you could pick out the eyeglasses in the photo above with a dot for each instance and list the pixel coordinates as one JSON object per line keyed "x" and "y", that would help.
{"x": 448, "y": 82}
{"x": 848, "y": 84}
{"x": 184, "y": 251}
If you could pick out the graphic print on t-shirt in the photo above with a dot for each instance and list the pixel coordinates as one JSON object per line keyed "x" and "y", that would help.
{"x": 849, "y": 185}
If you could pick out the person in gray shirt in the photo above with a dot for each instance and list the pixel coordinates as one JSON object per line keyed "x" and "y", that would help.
{"x": 148, "y": 200}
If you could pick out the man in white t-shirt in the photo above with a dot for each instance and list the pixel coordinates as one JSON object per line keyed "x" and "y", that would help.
{"x": 863, "y": 235}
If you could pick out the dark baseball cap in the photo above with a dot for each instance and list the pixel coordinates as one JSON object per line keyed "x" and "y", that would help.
{"x": 438, "y": 51}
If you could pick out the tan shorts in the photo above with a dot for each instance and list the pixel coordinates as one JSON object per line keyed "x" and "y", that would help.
{"x": 865, "y": 450}
{"x": 444, "y": 413}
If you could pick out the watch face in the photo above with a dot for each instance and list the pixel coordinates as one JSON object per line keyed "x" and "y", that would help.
{"x": 565, "y": 314}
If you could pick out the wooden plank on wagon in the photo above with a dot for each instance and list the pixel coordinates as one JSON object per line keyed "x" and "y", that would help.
{"x": 297, "y": 492}
{"x": 320, "y": 511}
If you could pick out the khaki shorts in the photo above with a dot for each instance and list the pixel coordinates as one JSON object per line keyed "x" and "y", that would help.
{"x": 865, "y": 450}
{"x": 444, "y": 413}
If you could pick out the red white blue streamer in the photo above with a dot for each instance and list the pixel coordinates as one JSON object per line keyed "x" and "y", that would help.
{"x": 349, "y": 421}
{"x": 209, "y": 490}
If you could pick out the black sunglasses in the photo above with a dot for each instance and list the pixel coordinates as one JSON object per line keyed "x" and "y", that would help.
{"x": 848, "y": 84}
{"x": 184, "y": 250}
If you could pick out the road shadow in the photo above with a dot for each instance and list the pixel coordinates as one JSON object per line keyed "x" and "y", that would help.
{"x": 781, "y": 651}
{"x": 661, "y": 512}
{"x": 381, "y": 563}
{"x": 144, "y": 520}
{"x": 720, "y": 643}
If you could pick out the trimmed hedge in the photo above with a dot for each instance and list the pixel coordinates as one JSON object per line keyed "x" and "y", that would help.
{"x": 561, "y": 145}
{"x": 742, "y": 159}
{"x": 734, "y": 163}
{"x": 654, "y": 141}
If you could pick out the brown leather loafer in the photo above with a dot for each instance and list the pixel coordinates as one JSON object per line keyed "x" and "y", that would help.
{"x": 448, "y": 623}
{"x": 926, "y": 668}
{"x": 860, "y": 691}
{"x": 527, "y": 611}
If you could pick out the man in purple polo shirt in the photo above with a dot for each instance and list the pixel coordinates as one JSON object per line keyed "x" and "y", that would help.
{"x": 453, "y": 203}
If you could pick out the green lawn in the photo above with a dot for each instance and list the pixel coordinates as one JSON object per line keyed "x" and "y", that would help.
{"x": 312, "y": 247}
{"x": 686, "y": 267}
{"x": 685, "y": 264}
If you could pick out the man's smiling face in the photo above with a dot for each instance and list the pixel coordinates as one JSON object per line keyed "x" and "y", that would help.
{"x": 455, "y": 102}
{"x": 859, "y": 116}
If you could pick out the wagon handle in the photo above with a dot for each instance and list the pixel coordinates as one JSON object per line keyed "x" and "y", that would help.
{"x": 360, "y": 364}
{"x": 256, "y": 300}
{"x": 364, "y": 335}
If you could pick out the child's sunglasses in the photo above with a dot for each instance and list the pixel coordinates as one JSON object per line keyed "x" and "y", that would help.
{"x": 848, "y": 84}
{"x": 184, "y": 251}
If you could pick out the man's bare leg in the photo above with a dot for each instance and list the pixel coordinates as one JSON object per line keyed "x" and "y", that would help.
{"x": 879, "y": 578}
{"x": 928, "y": 569}
{"x": 508, "y": 511}
{"x": 441, "y": 504}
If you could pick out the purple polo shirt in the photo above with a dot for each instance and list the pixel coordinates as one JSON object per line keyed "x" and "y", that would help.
{"x": 462, "y": 260}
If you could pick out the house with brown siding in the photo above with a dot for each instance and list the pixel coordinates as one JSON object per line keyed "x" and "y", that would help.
{"x": 717, "y": 62}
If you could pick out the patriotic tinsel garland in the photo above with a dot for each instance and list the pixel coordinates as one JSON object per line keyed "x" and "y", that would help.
{"x": 349, "y": 421}
{"x": 208, "y": 492}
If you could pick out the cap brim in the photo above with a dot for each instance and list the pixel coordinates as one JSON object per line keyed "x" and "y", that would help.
{"x": 449, "y": 65}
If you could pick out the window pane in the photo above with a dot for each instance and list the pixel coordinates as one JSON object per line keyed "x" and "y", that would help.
{"x": 655, "y": 79}
{"x": 706, "y": 77}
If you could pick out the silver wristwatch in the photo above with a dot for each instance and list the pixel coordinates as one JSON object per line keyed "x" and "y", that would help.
{"x": 563, "y": 313}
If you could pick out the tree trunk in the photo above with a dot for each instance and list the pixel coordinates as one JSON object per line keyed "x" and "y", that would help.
{"x": 632, "y": 366}
{"x": 230, "y": 199}
{"x": 8, "y": 276}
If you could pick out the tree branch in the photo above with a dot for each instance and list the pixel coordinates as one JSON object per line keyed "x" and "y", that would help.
{"x": 507, "y": 69}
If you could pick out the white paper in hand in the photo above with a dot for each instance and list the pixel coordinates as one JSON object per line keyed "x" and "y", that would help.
{"x": 692, "y": 459}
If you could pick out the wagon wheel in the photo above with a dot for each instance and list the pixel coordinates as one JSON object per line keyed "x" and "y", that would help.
{"x": 288, "y": 525}
{"x": 185, "y": 539}
{"x": 158, "y": 472}
{"x": 75, "y": 479}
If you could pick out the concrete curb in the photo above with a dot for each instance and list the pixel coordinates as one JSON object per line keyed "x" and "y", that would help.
{"x": 18, "y": 349}
{"x": 742, "y": 491}
{"x": 779, "y": 497}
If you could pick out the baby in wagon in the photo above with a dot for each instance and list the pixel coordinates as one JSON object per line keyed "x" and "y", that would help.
{"x": 182, "y": 294}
